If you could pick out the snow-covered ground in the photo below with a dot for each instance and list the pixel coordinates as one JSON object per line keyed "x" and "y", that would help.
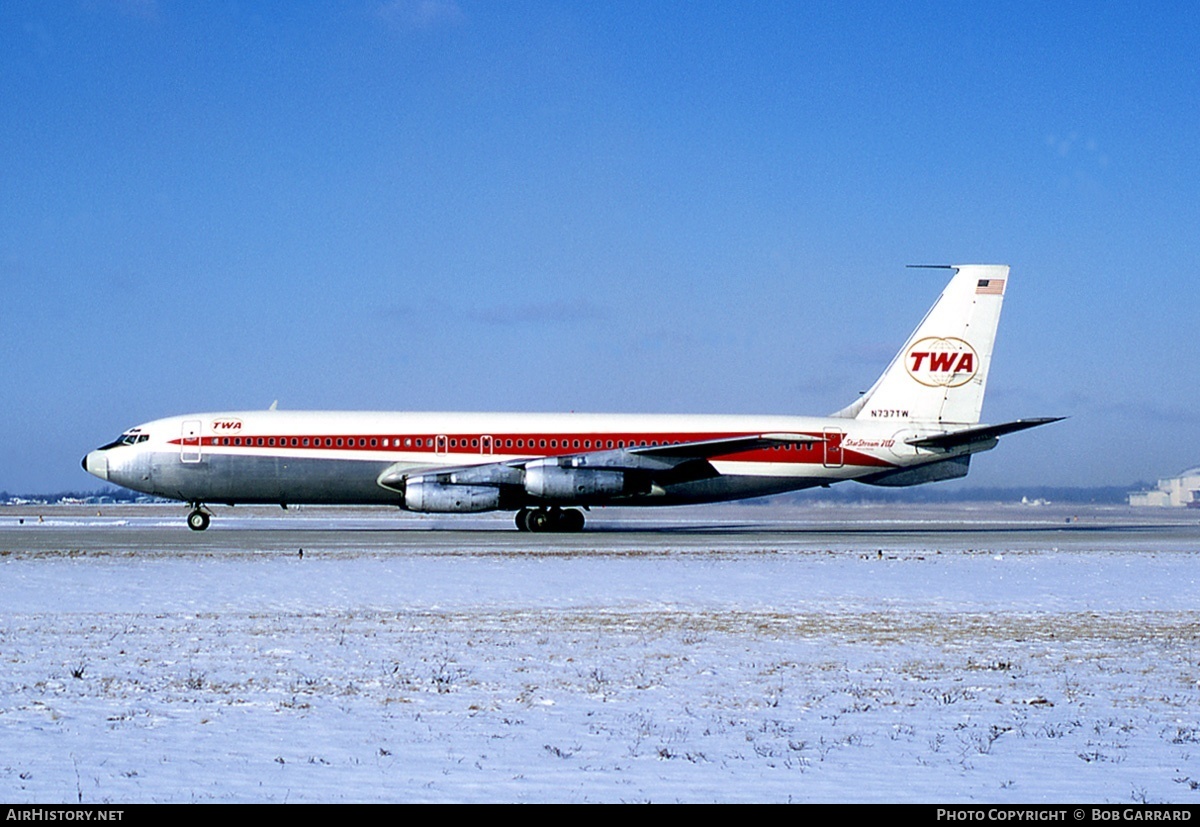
{"x": 853, "y": 654}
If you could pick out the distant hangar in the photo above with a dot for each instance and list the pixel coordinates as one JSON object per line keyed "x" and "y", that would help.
{"x": 1183, "y": 490}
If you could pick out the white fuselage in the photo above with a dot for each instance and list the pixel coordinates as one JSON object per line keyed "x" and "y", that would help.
{"x": 296, "y": 457}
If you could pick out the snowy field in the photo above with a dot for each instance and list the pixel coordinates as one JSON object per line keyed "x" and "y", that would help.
{"x": 882, "y": 653}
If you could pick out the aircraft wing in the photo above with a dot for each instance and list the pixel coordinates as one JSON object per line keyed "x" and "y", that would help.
{"x": 688, "y": 459}
{"x": 982, "y": 433}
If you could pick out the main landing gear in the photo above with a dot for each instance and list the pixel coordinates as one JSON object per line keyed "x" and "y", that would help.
{"x": 549, "y": 519}
{"x": 197, "y": 520}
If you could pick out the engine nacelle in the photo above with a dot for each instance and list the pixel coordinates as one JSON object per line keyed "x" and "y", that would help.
{"x": 421, "y": 495}
{"x": 552, "y": 482}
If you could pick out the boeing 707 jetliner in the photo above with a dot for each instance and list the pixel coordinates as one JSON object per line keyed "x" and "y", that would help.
{"x": 918, "y": 423}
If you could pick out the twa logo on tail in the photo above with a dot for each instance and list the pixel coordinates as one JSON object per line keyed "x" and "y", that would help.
{"x": 942, "y": 362}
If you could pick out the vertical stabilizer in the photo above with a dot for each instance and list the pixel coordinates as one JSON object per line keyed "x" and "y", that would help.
{"x": 941, "y": 372}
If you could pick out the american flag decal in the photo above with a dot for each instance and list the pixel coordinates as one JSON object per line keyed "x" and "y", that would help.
{"x": 990, "y": 287}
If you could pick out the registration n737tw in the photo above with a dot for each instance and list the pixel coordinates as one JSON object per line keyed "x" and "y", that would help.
{"x": 919, "y": 423}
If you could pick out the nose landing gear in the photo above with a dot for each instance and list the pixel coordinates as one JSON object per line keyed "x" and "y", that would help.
{"x": 549, "y": 519}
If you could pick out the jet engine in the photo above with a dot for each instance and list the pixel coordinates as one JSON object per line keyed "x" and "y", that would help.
{"x": 423, "y": 495}
{"x": 549, "y": 481}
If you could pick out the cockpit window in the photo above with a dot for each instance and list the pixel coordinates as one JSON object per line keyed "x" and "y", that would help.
{"x": 127, "y": 438}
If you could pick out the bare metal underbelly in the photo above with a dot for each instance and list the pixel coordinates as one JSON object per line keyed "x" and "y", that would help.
{"x": 301, "y": 481}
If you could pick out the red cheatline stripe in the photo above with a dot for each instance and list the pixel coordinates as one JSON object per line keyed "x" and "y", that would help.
{"x": 538, "y": 445}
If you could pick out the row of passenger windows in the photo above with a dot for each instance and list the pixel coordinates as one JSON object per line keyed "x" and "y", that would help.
{"x": 421, "y": 442}
{"x": 452, "y": 442}
{"x": 304, "y": 442}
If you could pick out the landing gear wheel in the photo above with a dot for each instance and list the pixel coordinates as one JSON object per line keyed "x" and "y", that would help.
{"x": 538, "y": 519}
{"x": 197, "y": 520}
{"x": 549, "y": 519}
{"x": 570, "y": 520}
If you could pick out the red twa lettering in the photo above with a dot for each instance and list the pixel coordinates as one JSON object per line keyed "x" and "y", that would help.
{"x": 944, "y": 361}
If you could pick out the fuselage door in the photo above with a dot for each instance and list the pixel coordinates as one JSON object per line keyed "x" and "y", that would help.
{"x": 485, "y": 444}
{"x": 440, "y": 445}
{"x": 833, "y": 448}
{"x": 189, "y": 444}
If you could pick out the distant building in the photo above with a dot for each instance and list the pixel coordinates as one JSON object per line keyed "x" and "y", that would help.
{"x": 1183, "y": 490}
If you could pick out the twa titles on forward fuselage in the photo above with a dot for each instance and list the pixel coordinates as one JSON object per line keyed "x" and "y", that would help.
{"x": 918, "y": 423}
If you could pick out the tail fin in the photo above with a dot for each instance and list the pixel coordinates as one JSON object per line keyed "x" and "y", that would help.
{"x": 941, "y": 372}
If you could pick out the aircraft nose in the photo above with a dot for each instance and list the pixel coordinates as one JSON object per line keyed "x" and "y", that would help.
{"x": 96, "y": 464}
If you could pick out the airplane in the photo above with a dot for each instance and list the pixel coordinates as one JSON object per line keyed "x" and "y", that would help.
{"x": 919, "y": 423}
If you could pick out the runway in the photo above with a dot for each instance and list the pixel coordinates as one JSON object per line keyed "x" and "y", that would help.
{"x": 951, "y": 653}
{"x": 155, "y": 529}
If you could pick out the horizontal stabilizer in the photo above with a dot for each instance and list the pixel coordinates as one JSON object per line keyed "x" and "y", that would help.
{"x": 983, "y": 433}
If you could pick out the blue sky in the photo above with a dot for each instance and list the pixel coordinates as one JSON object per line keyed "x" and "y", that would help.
{"x": 660, "y": 207}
